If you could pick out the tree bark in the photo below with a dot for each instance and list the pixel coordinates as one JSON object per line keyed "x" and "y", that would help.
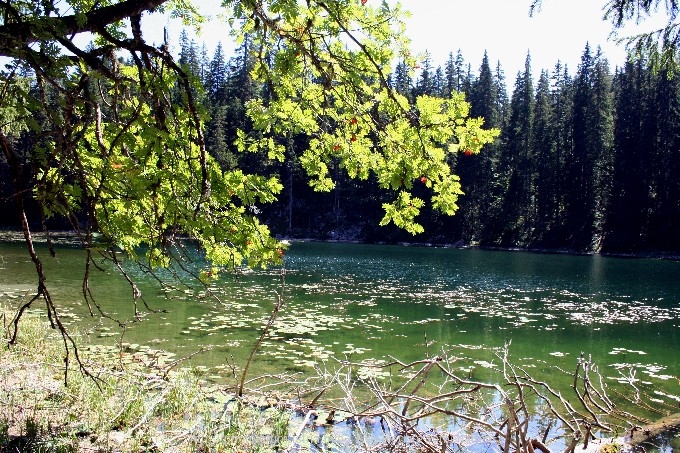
{"x": 30, "y": 29}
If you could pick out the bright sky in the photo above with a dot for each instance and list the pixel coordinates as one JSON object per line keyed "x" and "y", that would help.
{"x": 504, "y": 29}
{"x": 501, "y": 27}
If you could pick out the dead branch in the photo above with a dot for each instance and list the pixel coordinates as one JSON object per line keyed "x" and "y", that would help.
{"x": 265, "y": 331}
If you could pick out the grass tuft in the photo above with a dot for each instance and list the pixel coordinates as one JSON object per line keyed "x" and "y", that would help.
{"x": 129, "y": 408}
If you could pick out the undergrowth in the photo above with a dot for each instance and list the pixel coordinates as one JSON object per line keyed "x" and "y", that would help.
{"x": 124, "y": 404}
{"x": 126, "y": 407}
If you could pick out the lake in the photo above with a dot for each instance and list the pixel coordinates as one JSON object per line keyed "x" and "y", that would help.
{"x": 377, "y": 302}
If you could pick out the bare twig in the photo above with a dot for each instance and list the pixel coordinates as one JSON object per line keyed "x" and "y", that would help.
{"x": 265, "y": 331}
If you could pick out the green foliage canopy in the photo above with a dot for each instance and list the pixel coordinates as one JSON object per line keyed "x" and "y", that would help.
{"x": 120, "y": 150}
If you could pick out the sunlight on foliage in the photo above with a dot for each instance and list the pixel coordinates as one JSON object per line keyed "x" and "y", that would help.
{"x": 133, "y": 172}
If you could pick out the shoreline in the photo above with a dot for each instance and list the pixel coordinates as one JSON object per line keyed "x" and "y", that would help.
{"x": 665, "y": 255}
{"x": 69, "y": 238}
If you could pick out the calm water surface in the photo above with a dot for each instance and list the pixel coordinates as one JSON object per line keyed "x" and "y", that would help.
{"x": 375, "y": 302}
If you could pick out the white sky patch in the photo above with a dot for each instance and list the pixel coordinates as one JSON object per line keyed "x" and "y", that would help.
{"x": 503, "y": 28}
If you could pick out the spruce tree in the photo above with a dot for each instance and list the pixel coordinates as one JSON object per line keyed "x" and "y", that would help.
{"x": 402, "y": 81}
{"x": 217, "y": 78}
{"x": 454, "y": 73}
{"x": 492, "y": 224}
{"x": 664, "y": 166}
{"x": 602, "y": 149}
{"x": 629, "y": 192}
{"x": 438, "y": 83}
{"x": 579, "y": 162}
{"x": 589, "y": 166}
{"x": 547, "y": 163}
{"x": 476, "y": 171}
{"x": 188, "y": 55}
{"x": 562, "y": 106}
{"x": 517, "y": 166}
{"x": 502, "y": 101}
{"x": 425, "y": 83}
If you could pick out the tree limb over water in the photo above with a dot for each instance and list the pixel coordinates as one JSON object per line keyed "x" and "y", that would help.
{"x": 20, "y": 30}
{"x": 108, "y": 137}
{"x": 115, "y": 149}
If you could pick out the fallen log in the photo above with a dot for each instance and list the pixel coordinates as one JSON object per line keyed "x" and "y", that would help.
{"x": 649, "y": 433}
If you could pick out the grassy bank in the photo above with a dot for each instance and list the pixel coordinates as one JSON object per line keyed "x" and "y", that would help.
{"x": 136, "y": 401}
{"x": 128, "y": 407}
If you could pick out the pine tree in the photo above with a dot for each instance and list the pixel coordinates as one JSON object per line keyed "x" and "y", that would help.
{"x": 402, "y": 81}
{"x": 502, "y": 101}
{"x": 189, "y": 60}
{"x": 579, "y": 162}
{"x": 216, "y": 140}
{"x": 217, "y": 134}
{"x": 241, "y": 82}
{"x": 216, "y": 86}
{"x": 546, "y": 160}
{"x": 629, "y": 191}
{"x": 188, "y": 55}
{"x": 425, "y": 83}
{"x": 229, "y": 86}
{"x": 438, "y": 82}
{"x": 454, "y": 73}
{"x": 664, "y": 166}
{"x": 602, "y": 147}
{"x": 476, "y": 171}
{"x": 492, "y": 227}
{"x": 517, "y": 167}
{"x": 562, "y": 106}
{"x": 484, "y": 95}
{"x": 589, "y": 166}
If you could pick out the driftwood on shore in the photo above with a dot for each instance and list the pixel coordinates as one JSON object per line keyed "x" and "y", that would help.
{"x": 649, "y": 433}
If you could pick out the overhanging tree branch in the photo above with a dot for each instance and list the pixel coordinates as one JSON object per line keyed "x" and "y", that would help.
{"x": 27, "y": 30}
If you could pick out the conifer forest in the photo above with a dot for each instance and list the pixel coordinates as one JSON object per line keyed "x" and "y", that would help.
{"x": 586, "y": 160}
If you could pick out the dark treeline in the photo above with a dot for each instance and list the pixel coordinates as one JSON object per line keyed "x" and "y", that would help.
{"x": 586, "y": 162}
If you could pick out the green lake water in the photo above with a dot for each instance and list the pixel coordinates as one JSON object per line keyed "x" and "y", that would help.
{"x": 370, "y": 302}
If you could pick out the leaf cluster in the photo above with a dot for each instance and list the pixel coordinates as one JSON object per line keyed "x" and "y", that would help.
{"x": 328, "y": 66}
{"x": 118, "y": 146}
